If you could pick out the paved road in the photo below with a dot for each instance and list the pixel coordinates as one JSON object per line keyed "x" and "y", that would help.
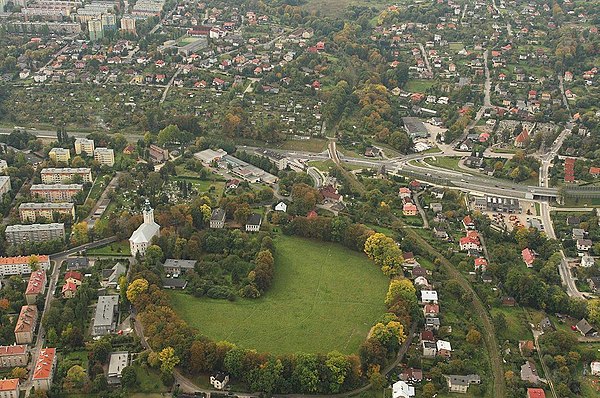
{"x": 102, "y": 201}
{"x": 51, "y": 134}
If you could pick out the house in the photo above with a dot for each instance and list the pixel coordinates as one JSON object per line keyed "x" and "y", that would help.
{"x": 418, "y": 271}
{"x": 427, "y": 335}
{"x": 73, "y": 277}
{"x": 110, "y": 276}
{"x": 9, "y": 388}
{"x": 404, "y": 192}
{"x": 528, "y": 257}
{"x": 508, "y": 301}
{"x": 330, "y": 194}
{"x": 526, "y": 347}
{"x": 595, "y": 171}
{"x": 409, "y": 209}
{"x": 118, "y": 360}
{"x": 469, "y": 243}
{"x": 281, "y": 206}
{"x": 578, "y": 234}
{"x": 219, "y": 380}
{"x": 174, "y": 283}
{"x": 444, "y": 349}
{"x": 68, "y": 290}
{"x": 535, "y": 393}
{"x": 595, "y": 368}
{"x": 106, "y": 315}
{"x": 217, "y": 218}
{"x": 481, "y": 264}
{"x": 436, "y": 207}
{"x": 468, "y": 223}
{"x": 460, "y": 384}
{"x": 178, "y": 267}
{"x": 546, "y": 324}
{"x": 43, "y": 372}
{"x": 429, "y": 297}
{"x": 401, "y": 389}
{"x": 529, "y": 372}
{"x": 432, "y": 323}
{"x": 584, "y": 245}
{"x": 35, "y": 286}
{"x": 440, "y": 233}
{"x": 412, "y": 375}
{"x": 77, "y": 263}
{"x": 584, "y": 327}
{"x": 594, "y": 283}
{"x": 431, "y": 310}
{"x": 429, "y": 349}
{"x": 572, "y": 220}
{"x": 253, "y": 223}
{"x": 142, "y": 236}
{"x": 421, "y": 281}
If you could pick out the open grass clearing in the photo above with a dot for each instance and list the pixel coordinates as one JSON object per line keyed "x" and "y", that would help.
{"x": 418, "y": 85}
{"x": 111, "y": 249}
{"x": 324, "y": 297}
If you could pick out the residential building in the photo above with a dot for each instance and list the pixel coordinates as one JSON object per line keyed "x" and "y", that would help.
{"x": 104, "y": 156}
{"x": 219, "y": 380}
{"x": 9, "y": 388}
{"x": 84, "y": 146}
{"x": 95, "y": 30}
{"x": 409, "y": 209}
{"x": 432, "y": 323}
{"x": 178, "y": 267}
{"x": 12, "y": 356}
{"x": 56, "y": 192}
{"x": 254, "y": 222}
{"x": 536, "y": 393}
{"x": 3, "y": 166}
{"x": 415, "y": 127}
{"x": 22, "y": 264}
{"x": 23, "y": 233}
{"x": 43, "y": 373}
{"x": 429, "y": 349}
{"x": 128, "y": 24}
{"x": 78, "y": 263}
{"x": 5, "y": 186}
{"x": 65, "y": 175}
{"x": 429, "y": 297}
{"x": 68, "y": 290}
{"x": 460, "y": 384}
{"x": 470, "y": 243}
{"x": 468, "y": 223}
{"x": 444, "y": 348}
{"x": 281, "y": 206}
{"x": 26, "y": 324}
{"x": 584, "y": 327}
{"x": 142, "y": 236}
{"x": 61, "y": 155}
{"x": 529, "y": 372}
{"x": 217, "y": 218}
{"x": 118, "y": 361}
{"x": 584, "y": 245}
{"x": 35, "y": 286}
{"x": 158, "y": 154}
{"x": 106, "y": 316}
{"x": 402, "y": 389}
{"x": 595, "y": 368}
{"x": 578, "y": 233}
{"x": 528, "y": 257}
{"x": 32, "y": 212}
{"x": 110, "y": 277}
{"x": 587, "y": 261}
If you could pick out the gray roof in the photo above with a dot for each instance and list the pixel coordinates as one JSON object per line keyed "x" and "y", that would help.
{"x": 218, "y": 215}
{"x": 584, "y": 326}
{"x": 255, "y": 219}
{"x": 174, "y": 283}
{"x": 105, "y": 310}
{"x": 118, "y": 360}
{"x": 464, "y": 380}
{"x": 181, "y": 264}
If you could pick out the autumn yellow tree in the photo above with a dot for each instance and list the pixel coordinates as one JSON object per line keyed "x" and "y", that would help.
{"x": 384, "y": 251}
{"x": 136, "y": 288}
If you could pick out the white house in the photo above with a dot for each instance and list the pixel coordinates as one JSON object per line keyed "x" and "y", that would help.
{"x": 584, "y": 245}
{"x": 429, "y": 296}
{"x": 253, "y": 223}
{"x": 587, "y": 261}
{"x": 444, "y": 348}
{"x": 595, "y": 367}
{"x": 141, "y": 237}
{"x": 219, "y": 381}
{"x": 401, "y": 389}
{"x": 281, "y": 207}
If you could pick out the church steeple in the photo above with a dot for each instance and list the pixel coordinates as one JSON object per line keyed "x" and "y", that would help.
{"x": 148, "y": 213}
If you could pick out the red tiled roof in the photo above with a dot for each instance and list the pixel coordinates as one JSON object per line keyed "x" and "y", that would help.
{"x": 535, "y": 393}
{"x": 7, "y": 350}
{"x": 73, "y": 274}
{"x": 69, "y": 286}
{"x": 27, "y": 318}
{"x": 9, "y": 384}
{"x": 528, "y": 256}
{"x": 22, "y": 259}
{"x": 36, "y": 283}
{"x": 45, "y": 362}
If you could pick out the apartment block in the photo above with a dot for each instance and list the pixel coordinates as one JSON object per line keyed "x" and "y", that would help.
{"x": 26, "y": 324}
{"x": 35, "y": 286}
{"x": 5, "y": 186}
{"x": 31, "y": 212}
{"x": 12, "y": 356}
{"x": 56, "y": 192}
{"x": 63, "y": 175}
{"x": 60, "y": 155}
{"x": 104, "y": 156}
{"x": 22, "y": 233}
{"x": 9, "y": 388}
{"x": 43, "y": 372}
{"x": 22, "y": 264}
{"x": 107, "y": 314}
{"x": 83, "y": 145}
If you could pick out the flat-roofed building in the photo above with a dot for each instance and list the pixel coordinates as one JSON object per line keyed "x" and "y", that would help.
{"x": 21, "y": 265}
{"x": 32, "y": 212}
{"x": 60, "y": 155}
{"x": 5, "y": 186}
{"x": 44, "y": 369}
{"x": 84, "y": 146}
{"x": 104, "y": 156}
{"x": 118, "y": 361}
{"x": 105, "y": 319}
{"x": 56, "y": 192}
{"x": 178, "y": 267}
{"x": 12, "y": 356}
{"x": 23, "y": 233}
{"x": 35, "y": 286}
{"x": 63, "y": 175}
{"x": 26, "y": 324}
{"x": 9, "y": 388}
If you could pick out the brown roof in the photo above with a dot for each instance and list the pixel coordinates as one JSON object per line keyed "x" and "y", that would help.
{"x": 36, "y": 283}
{"x": 9, "y": 384}
{"x": 27, "y": 318}
{"x": 45, "y": 362}
{"x": 8, "y": 350}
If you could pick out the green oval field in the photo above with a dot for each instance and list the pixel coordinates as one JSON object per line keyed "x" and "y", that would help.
{"x": 324, "y": 297}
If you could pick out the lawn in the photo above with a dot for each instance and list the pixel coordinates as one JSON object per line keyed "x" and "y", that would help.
{"x": 112, "y": 249}
{"x": 324, "y": 297}
{"x": 310, "y": 145}
{"x": 322, "y": 165}
{"x": 418, "y": 85}
{"x": 517, "y": 324}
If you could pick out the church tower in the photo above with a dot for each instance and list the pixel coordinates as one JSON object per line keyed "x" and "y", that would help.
{"x": 148, "y": 213}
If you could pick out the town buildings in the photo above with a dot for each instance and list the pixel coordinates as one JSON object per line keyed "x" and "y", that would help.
{"x": 35, "y": 286}
{"x": 118, "y": 361}
{"x": 56, "y": 192}
{"x": 61, "y": 155}
{"x": 5, "y": 186}
{"x": 43, "y": 373}
{"x": 142, "y": 236}
{"x": 26, "y": 323}
{"x": 32, "y": 212}
{"x": 23, "y": 233}
{"x": 12, "y": 356}
{"x": 106, "y": 316}
{"x": 9, "y": 388}
{"x": 65, "y": 175}
{"x": 22, "y": 264}
{"x": 178, "y": 267}
{"x": 104, "y": 156}
{"x": 217, "y": 218}
{"x": 84, "y": 146}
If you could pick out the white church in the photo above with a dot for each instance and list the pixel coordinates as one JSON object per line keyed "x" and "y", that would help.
{"x": 141, "y": 237}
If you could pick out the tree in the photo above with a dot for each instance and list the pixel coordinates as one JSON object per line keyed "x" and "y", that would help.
{"x": 474, "y": 337}
{"x": 168, "y": 360}
{"x": 400, "y": 289}
{"x": 377, "y": 380}
{"x": 338, "y": 366}
{"x": 19, "y": 373}
{"x": 100, "y": 350}
{"x": 79, "y": 234}
{"x": 75, "y": 378}
{"x": 100, "y": 383}
{"x": 128, "y": 377}
{"x": 593, "y": 309}
{"x": 429, "y": 390}
{"x": 384, "y": 252}
{"x": 136, "y": 288}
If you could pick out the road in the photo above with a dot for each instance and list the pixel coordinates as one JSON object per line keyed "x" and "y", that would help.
{"x": 102, "y": 201}
{"x": 425, "y": 58}
{"x": 51, "y": 134}
{"x": 536, "y": 335}
{"x": 421, "y": 211}
{"x": 316, "y": 175}
{"x": 164, "y": 95}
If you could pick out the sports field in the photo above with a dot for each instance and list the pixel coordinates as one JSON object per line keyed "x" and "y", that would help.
{"x": 324, "y": 297}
